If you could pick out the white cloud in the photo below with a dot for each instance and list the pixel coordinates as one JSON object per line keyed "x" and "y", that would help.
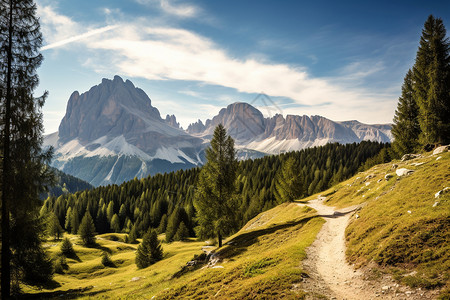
{"x": 78, "y": 37}
{"x": 137, "y": 49}
{"x": 173, "y": 7}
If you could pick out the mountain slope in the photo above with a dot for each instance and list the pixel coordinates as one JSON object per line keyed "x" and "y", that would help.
{"x": 112, "y": 133}
{"x": 251, "y": 130}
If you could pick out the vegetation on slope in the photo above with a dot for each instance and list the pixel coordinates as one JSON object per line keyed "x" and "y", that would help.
{"x": 402, "y": 225}
{"x": 262, "y": 260}
{"x": 165, "y": 201}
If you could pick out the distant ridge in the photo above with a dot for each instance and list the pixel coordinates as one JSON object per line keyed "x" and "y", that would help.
{"x": 112, "y": 133}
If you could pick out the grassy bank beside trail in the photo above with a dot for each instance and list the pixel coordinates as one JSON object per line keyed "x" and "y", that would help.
{"x": 402, "y": 225}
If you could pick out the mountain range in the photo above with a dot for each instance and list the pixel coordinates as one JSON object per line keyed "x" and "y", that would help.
{"x": 112, "y": 133}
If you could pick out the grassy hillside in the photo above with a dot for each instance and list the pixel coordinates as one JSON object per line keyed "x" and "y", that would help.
{"x": 399, "y": 228}
{"x": 402, "y": 226}
{"x": 261, "y": 260}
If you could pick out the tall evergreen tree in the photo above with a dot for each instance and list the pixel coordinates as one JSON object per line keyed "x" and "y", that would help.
{"x": 216, "y": 187}
{"x": 432, "y": 82}
{"x": 87, "y": 230}
{"x": 54, "y": 227}
{"x": 289, "y": 184}
{"x": 406, "y": 128}
{"x": 149, "y": 251}
{"x": 24, "y": 176}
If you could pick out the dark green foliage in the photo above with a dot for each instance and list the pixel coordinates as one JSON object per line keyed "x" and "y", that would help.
{"x": 87, "y": 230}
{"x": 106, "y": 260}
{"x": 431, "y": 76}
{"x": 289, "y": 184}
{"x": 132, "y": 236}
{"x": 182, "y": 232}
{"x": 149, "y": 251}
{"x": 406, "y": 128}
{"x": 23, "y": 172}
{"x": 65, "y": 183}
{"x": 67, "y": 247}
{"x": 115, "y": 223}
{"x": 171, "y": 194}
{"x": 214, "y": 201}
{"x": 53, "y": 227}
{"x": 60, "y": 265}
{"x": 163, "y": 224}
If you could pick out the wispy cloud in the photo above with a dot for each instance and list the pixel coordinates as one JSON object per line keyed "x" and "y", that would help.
{"x": 175, "y": 8}
{"x": 137, "y": 49}
{"x": 78, "y": 37}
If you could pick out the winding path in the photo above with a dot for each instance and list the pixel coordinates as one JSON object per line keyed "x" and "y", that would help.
{"x": 326, "y": 263}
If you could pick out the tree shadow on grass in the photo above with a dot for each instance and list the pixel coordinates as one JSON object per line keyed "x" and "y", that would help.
{"x": 240, "y": 243}
{"x": 100, "y": 247}
{"x": 69, "y": 294}
{"x": 73, "y": 255}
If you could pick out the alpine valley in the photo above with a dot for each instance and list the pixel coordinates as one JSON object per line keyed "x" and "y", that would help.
{"x": 112, "y": 133}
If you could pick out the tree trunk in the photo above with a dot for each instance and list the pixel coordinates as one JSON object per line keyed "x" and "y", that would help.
{"x": 219, "y": 237}
{"x": 6, "y": 254}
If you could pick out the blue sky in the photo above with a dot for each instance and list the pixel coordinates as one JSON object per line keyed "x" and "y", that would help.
{"x": 343, "y": 60}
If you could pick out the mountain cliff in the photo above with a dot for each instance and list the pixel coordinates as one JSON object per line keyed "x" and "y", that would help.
{"x": 252, "y": 130}
{"x": 112, "y": 133}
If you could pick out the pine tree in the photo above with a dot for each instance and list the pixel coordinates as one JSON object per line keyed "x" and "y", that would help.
{"x": 214, "y": 199}
{"x": 149, "y": 251}
{"x": 115, "y": 223}
{"x": 23, "y": 173}
{"x": 406, "y": 128}
{"x": 67, "y": 247}
{"x": 182, "y": 232}
{"x": 74, "y": 221}
{"x": 87, "y": 230}
{"x": 289, "y": 184}
{"x": 132, "y": 236}
{"x": 431, "y": 74}
{"x": 53, "y": 227}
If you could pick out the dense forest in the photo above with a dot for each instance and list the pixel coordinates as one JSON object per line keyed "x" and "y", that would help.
{"x": 65, "y": 183}
{"x": 165, "y": 201}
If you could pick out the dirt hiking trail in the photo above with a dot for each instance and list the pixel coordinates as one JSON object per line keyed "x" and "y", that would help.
{"x": 331, "y": 275}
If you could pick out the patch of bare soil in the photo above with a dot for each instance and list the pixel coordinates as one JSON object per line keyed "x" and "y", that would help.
{"x": 330, "y": 274}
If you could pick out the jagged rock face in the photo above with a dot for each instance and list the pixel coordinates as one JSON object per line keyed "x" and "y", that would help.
{"x": 243, "y": 121}
{"x": 195, "y": 128}
{"x": 112, "y": 108}
{"x": 251, "y": 130}
{"x": 112, "y": 133}
{"x": 172, "y": 121}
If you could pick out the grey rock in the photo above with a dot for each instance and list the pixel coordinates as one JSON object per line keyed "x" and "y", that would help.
{"x": 388, "y": 176}
{"x": 410, "y": 156}
{"x": 441, "y": 149}
{"x": 442, "y": 192}
{"x": 403, "y": 172}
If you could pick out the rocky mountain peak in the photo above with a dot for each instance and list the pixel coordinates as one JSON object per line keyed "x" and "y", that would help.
{"x": 113, "y": 107}
{"x": 243, "y": 121}
{"x": 172, "y": 121}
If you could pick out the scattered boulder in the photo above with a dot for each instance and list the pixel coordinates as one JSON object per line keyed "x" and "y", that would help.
{"x": 388, "y": 176}
{"x": 441, "y": 192}
{"x": 379, "y": 180}
{"x": 436, "y": 204}
{"x": 439, "y": 157}
{"x": 403, "y": 172}
{"x": 441, "y": 149}
{"x": 410, "y": 156}
{"x": 135, "y": 279}
{"x": 394, "y": 166}
{"x": 417, "y": 164}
